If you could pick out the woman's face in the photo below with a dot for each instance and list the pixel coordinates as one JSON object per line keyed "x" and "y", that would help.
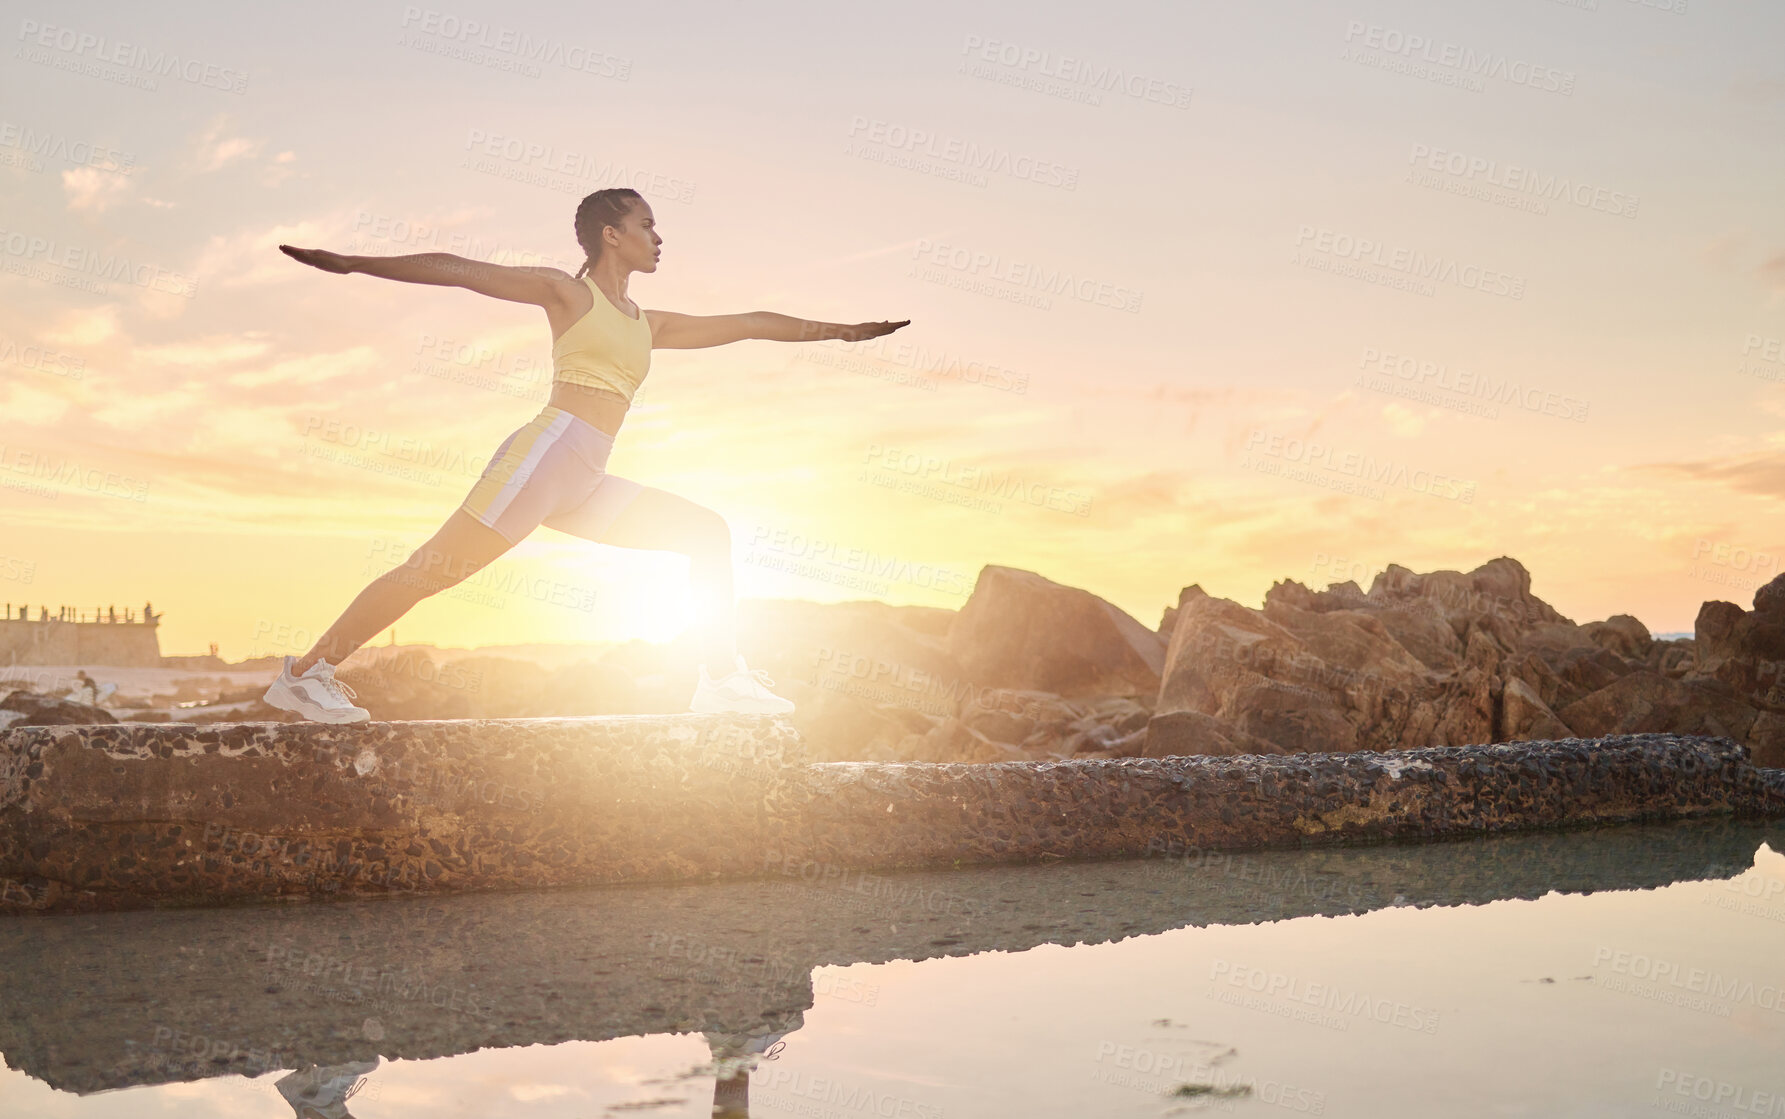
{"x": 638, "y": 240}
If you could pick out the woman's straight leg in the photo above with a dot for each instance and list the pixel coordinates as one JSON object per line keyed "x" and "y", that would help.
{"x": 462, "y": 547}
{"x": 629, "y": 515}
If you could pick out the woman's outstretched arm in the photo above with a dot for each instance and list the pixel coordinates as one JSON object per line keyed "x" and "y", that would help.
{"x": 673, "y": 331}
{"x": 500, "y": 281}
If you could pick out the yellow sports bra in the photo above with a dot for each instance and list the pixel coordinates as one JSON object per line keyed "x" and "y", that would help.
{"x": 605, "y": 349}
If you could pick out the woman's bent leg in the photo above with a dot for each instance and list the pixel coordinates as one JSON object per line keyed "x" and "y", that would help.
{"x": 658, "y": 520}
{"x": 462, "y": 547}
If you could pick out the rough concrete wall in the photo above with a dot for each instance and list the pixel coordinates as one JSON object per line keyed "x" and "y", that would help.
{"x": 132, "y": 815}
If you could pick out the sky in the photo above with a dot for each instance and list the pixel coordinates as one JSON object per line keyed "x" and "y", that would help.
{"x": 1214, "y": 294}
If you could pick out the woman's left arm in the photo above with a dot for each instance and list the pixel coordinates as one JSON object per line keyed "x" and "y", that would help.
{"x": 671, "y": 330}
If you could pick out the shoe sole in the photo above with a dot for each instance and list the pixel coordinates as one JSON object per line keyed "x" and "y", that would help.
{"x": 710, "y": 707}
{"x": 282, "y": 698}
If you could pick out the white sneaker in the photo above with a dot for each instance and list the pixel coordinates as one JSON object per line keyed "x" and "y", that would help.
{"x": 743, "y": 692}
{"x": 316, "y": 695}
{"x": 323, "y": 1092}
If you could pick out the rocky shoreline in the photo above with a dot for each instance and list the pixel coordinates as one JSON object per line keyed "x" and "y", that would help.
{"x": 1033, "y": 670}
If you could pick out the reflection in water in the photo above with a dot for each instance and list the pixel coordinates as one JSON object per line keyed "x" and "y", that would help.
{"x": 322, "y": 1093}
{"x": 734, "y": 1058}
{"x": 100, "y": 1002}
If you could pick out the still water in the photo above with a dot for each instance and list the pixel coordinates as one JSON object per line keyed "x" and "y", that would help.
{"x": 1630, "y": 971}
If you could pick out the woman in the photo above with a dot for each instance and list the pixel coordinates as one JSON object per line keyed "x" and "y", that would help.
{"x": 552, "y": 469}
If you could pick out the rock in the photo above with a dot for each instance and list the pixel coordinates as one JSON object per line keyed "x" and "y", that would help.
{"x": 841, "y": 727}
{"x": 955, "y": 741}
{"x": 1643, "y": 701}
{"x": 1177, "y": 733}
{"x": 1020, "y": 630}
{"x": 886, "y": 656}
{"x": 36, "y": 710}
{"x": 1672, "y": 659}
{"x": 1770, "y": 599}
{"x": 1621, "y": 634}
{"x": 1524, "y": 717}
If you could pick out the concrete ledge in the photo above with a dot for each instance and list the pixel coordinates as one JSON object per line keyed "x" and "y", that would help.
{"x": 132, "y": 815}
{"x": 139, "y": 815}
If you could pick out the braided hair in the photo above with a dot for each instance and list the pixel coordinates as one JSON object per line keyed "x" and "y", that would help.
{"x": 595, "y": 213}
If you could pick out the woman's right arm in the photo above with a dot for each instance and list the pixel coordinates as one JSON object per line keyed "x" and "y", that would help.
{"x": 499, "y": 281}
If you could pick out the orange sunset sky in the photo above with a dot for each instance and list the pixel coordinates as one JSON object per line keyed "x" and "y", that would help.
{"x": 1218, "y": 294}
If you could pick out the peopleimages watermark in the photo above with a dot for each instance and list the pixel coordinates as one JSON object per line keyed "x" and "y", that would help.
{"x": 1346, "y": 1006}
{"x": 1013, "y": 280}
{"x": 1326, "y": 250}
{"x": 1164, "y": 1074}
{"x": 377, "y": 985}
{"x": 14, "y": 569}
{"x": 1479, "y": 393}
{"x": 1391, "y": 48}
{"x": 369, "y": 227}
{"x": 54, "y": 362}
{"x": 83, "y": 268}
{"x": 499, "y": 578}
{"x": 1732, "y": 565}
{"x": 81, "y": 52}
{"x": 880, "y": 892}
{"x": 502, "y": 48}
{"x": 1268, "y": 452}
{"x": 1750, "y": 894}
{"x": 725, "y": 966}
{"x": 27, "y": 146}
{"x": 407, "y": 449}
{"x": 1257, "y": 875}
{"x": 1479, "y": 177}
{"x": 814, "y": 557}
{"x": 1763, "y": 357}
{"x": 1691, "y": 988}
{"x": 563, "y": 169}
{"x": 950, "y": 157}
{"x": 1063, "y": 76}
{"x": 39, "y": 468}
{"x": 902, "y": 685}
{"x": 889, "y": 357}
{"x": 1715, "y": 1095}
{"x": 789, "y": 1090}
{"x": 927, "y": 475}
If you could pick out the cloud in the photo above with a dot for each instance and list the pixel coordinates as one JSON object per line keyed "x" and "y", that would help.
{"x": 213, "y": 150}
{"x": 1403, "y": 420}
{"x": 312, "y": 368}
{"x": 25, "y": 406}
{"x": 91, "y": 189}
{"x": 211, "y": 350}
{"x": 84, "y": 327}
{"x": 1760, "y": 472}
{"x": 1772, "y": 270}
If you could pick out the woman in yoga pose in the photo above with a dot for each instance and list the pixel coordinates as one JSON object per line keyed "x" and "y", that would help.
{"x": 552, "y": 469}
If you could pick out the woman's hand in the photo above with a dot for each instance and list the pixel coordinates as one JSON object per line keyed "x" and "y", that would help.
{"x": 319, "y": 258}
{"x": 863, "y": 330}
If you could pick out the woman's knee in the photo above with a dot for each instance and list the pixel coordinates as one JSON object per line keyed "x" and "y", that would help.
{"x": 707, "y": 536}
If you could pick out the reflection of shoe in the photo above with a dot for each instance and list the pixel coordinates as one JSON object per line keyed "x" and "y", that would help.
{"x": 741, "y": 692}
{"x": 321, "y": 1093}
{"x": 316, "y": 695}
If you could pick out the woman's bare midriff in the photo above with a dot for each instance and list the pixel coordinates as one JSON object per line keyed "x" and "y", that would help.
{"x": 603, "y": 408}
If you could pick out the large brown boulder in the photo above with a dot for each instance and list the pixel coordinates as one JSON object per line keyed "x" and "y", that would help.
{"x": 36, "y": 710}
{"x": 1643, "y": 701}
{"x": 1020, "y": 630}
{"x": 1621, "y": 634}
{"x": 1192, "y": 732}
